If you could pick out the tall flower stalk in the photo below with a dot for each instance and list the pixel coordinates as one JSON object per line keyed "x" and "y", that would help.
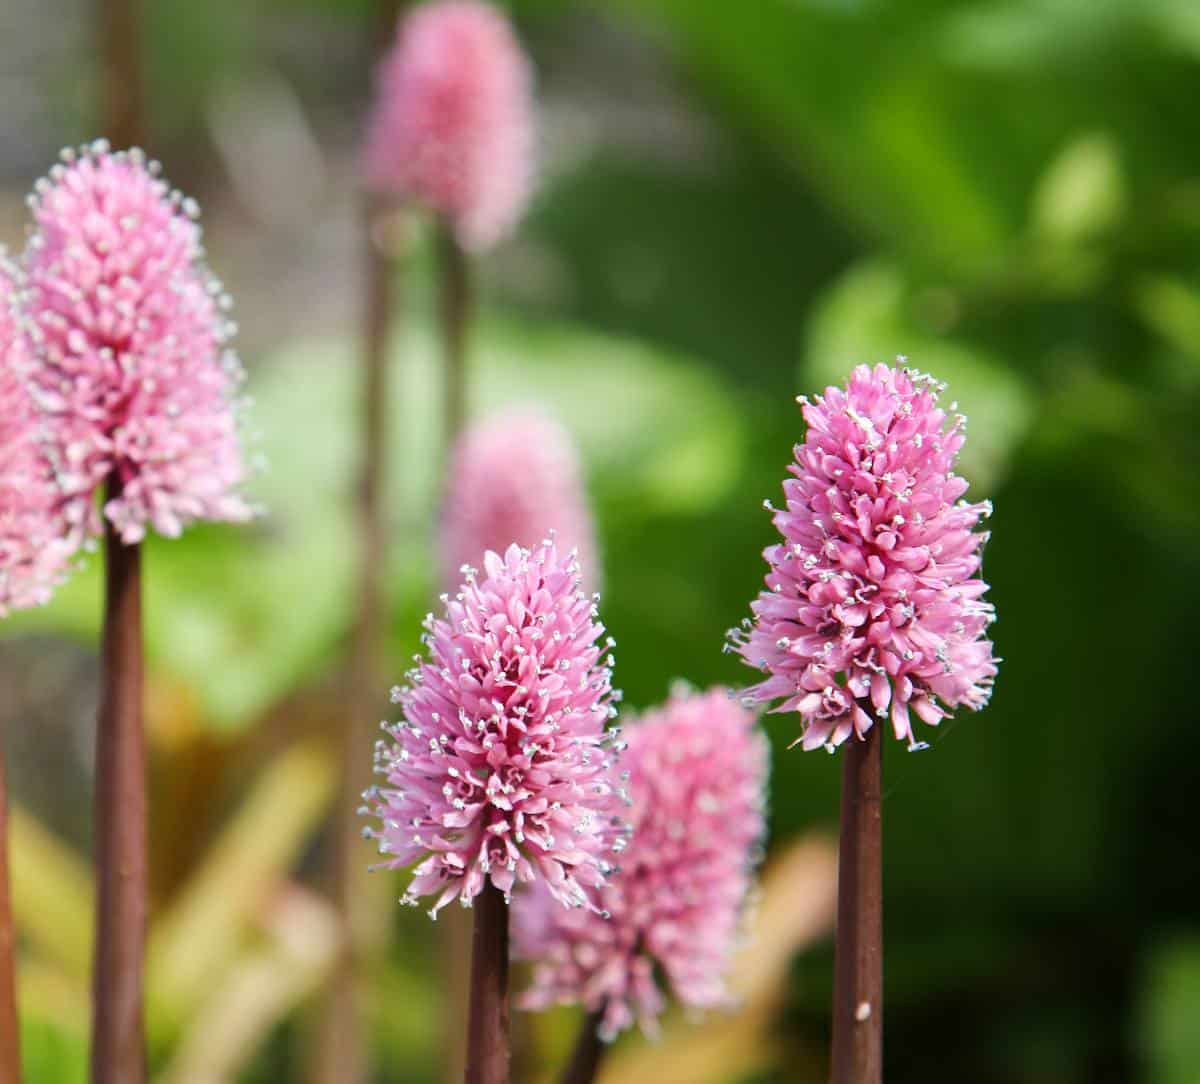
{"x": 873, "y": 611}
{"x": 342, "y": 1057}
{"x": 501, "y": 771}
{"x": 137, "y": 388}
{"x": 120, "y": 834}
{"x": 120, "y": 52}
{"x": 455, "y": 301}
{"x": 452, "y": 131}
{"x": 588, "y": 1053}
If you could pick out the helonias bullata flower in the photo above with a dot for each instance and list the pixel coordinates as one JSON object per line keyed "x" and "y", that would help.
{"x": 502, "y": 767}
{"x": 697, "y": 780}
{"x": 34, "y": 547}
{"x": 514, "y": 477}
{"x": 134, "y": 377}
{"x": 874, "y": 607}
{"x": 452, "y": 126}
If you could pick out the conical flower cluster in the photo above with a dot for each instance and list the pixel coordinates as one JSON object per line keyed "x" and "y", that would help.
{"x": 33, "y": 547}
{"x": 697, "y": 777}
{"x": 874, "y": 607}
{"x": 514, "y": 477}
{"x": 502, "y": 768}
{"x": 133, "y": 377}
{"x": 452, "y": 127}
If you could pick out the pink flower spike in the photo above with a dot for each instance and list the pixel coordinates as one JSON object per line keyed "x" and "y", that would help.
{"x": 513, "y": 478}
{"x": 34, "y": 550}
{"x": 501, "y": 768}
{"x": 452, "y": 126}
{"x": 133, "y": 377}
{"x": 873, "y": 604}
{"x": 697, "y": 776}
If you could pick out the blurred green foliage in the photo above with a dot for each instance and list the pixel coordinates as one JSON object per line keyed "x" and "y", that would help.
{"x": 1168, "y": 1036}
{"x": 1008, "y": 193}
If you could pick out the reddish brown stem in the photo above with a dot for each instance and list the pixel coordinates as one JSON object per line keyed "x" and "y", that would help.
{"x": 487, "y": 1024}
{"x": 455, "y": 312}
{"x": 454, "y": 966}
{"x": 858, "y": 962}
{"x": 121, "y": 51}
{"x": 118, "y": 1054}
{"x": 10, "y": 1035}
{"x": 588, "y": 1053}
{"x": 342, "y": 1058}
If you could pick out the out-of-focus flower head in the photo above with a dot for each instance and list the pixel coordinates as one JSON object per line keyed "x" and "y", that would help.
{"x": 697, "y": 777}
{"x": 133, "y": 376}
{"x": 452, "y": 126}
{"x": 34, "y": 550}
{"x": 514, "y": 477}
{"x": 874, "y": 606}
{"x": 502, "y": 768}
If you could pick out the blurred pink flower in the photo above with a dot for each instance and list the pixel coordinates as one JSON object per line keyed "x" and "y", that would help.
{"x": 33, "y": 548}
{"x": 501, "y": 767}
{"x": 133, "y": 378}
{"x": 697, "y": 777}
{"x": 874, "y": 604}
{"x": 514, "y": 477}
{"x": 452, "y": 125}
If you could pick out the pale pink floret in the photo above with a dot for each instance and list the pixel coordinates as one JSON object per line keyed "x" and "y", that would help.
{"x": 697, "y": 775}
{"x": 34, "y": 550}
{"x": 874, "y": 605}
{"x": 133, "y": 377}
{"x": 502, "y": 768}
{"x": 514, "y": 477}
{"x": 452, "y": 127}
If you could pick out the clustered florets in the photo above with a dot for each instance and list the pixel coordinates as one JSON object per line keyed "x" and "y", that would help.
{"x": 502, "y": 768}
{"x": 34, "y": 550}
{"x": 873, "y": 606}
{"x": 452, "y": 127}
{"x": 133, "y": 376}
{"x": 697, "y": 777}
{"x": 512, "y": 478}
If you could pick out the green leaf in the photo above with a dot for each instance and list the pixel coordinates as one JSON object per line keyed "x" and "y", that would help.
{"x": 51, "y": 895}
{"x": 1168, "y": 1011}
{"x": 853, "y": 98}
{"x": 1020, "y": 35}
{"x": 51, "y": 1052}
{"x": 198, "y": 938}
{"x": 1082, "y": 193}
{"x": 1171, "y": 307}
